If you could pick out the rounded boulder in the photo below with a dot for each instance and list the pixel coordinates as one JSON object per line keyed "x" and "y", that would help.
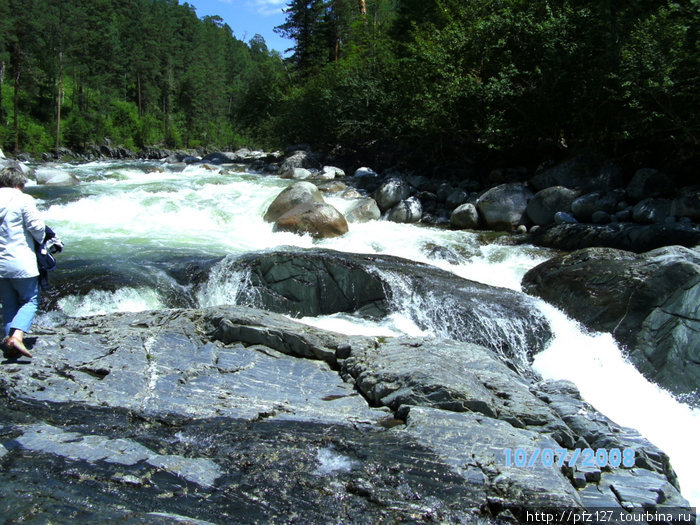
{"x": 391, "y": 192}
{"x": 291, "y": 197}
{"x": 465, "y": 217}
{"x": 547, "y": 202}
{"x": 406, "y": 211}
{"x": 503, "y": 207}
{"x": 363, "y": 210}
{"x": 318, "y": 219}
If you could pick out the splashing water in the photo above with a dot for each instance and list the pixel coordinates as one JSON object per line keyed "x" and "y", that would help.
{"x": 330, "y": 461}
{"x": 613, "y": 385}
{"x": 99, "y": 302}
{"x": 224, "y": 286}
{"x": 487, "y": 324}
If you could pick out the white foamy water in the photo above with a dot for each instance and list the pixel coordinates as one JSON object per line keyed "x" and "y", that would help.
{"x": 128, "y": 210}
{"x": 613, "y": 385}
{"x": 331, "y": 461}
{"x": 100, "y": 302}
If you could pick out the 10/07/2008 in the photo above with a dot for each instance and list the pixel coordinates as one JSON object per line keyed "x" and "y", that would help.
{"x": 584, "y": 457}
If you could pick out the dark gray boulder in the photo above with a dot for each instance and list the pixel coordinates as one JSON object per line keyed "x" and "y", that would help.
{"x": 322, "y": 282}
{"x": 219, "y": 157}
{"x": 624, "y": 236}
{"x": 649, "y": 183}
{"x": 444, "y": 190}
{"x": 21, "y": 166}
{"x": 391, "y": 192}
{"x": 363, "y": 210}
{"x": 588, "y": 172}
{"x": 547, "y": 202}
{"x": 300, "y": 158}
{"x": 652, "y": 211}
{"x": 406, "y": 211}
{"x": 561, "y": 217}
{"x": 687, "y": 203}
{"x": 366, "y": 179}
{"x": 601, "y": 217}
{"x": 650, "y": 302}
{"x": 456, "y": 198}
{"x": 504, "y": 207}
{"x": 585, "y": 206}
{"x": 465, "y": 216}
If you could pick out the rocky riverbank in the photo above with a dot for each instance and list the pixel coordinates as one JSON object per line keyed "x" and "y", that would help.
{"x": 233, "y": 414}
{"x": 587, "y": 200}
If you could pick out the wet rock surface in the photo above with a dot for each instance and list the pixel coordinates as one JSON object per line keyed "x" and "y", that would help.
{"x": 649, "y": 302}
{"x": 322, "y": 282}
{"x": 623, "y": 236}
{"x": 237, "y": 415}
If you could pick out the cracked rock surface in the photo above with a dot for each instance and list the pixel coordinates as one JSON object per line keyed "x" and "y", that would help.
{"x": 237, "y": 415}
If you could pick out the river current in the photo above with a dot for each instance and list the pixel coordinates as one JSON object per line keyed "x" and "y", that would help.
{"x": 135, "y": 215}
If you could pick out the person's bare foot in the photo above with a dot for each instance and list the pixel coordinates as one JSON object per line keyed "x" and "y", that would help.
{"x": 16, "y": 344}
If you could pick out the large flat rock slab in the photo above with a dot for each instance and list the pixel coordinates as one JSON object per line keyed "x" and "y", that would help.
{"x": 157, "y": 364}
{"x": 234, "y": 414}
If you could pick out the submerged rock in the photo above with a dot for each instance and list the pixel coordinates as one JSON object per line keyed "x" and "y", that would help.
{"x": 232, "y": 414}
{"x": 60, "y": 178}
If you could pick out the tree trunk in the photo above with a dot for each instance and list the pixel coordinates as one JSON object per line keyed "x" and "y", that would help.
{"x": 138, "y": 88}
{"x": 614, "y": 36}
{"x": 16, "y": 61}
{"x": 59, "y": 100}
{"x": 363, "y": 7}
{"x": 2, "y": 77}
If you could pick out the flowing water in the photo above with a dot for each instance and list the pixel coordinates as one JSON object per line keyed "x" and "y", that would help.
{"x": 135, "y": 218}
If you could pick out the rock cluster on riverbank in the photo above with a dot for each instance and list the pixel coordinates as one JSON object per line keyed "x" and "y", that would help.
{"x": 234, "y": 413}
{"x": 585, "y": 201}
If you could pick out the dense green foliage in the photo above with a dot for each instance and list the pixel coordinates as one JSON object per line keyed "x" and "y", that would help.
{"x": 523, "y": 76}
{"x": 139, "y": 72}
{"x": 438, "y": 77}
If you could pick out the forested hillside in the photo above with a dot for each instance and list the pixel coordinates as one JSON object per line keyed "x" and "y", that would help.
{"x": 438, "y": 77}
{"x": 139, "y": 72}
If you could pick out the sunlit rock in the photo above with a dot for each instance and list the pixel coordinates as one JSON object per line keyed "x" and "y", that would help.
{"x": 363, "y": 210}
{"x": 292, "y": 196}
{"x": 318, "y": 219}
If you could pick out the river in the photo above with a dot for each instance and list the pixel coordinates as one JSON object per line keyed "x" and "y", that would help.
{"x": 133, "y": 216}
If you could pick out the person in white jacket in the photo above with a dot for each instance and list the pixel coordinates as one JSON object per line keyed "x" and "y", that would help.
{"x": 20, "y": 226}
